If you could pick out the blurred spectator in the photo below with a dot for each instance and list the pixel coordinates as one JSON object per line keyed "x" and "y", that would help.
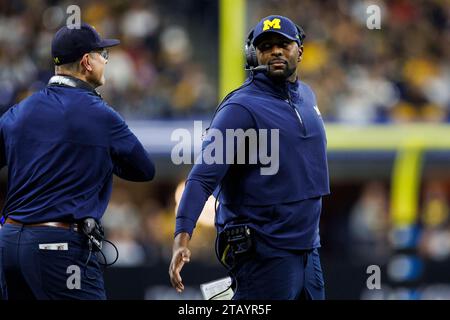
{"x": 435, "y": 240}
{"x": 141, "y": 226}
{"x": 369, "y": 224}
{"x": 156, "y": 232}
{"x": 122, "y": 224}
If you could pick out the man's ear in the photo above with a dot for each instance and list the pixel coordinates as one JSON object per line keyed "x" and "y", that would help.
{"x": 86, "y": 63}
{"x": 300, "y": 53}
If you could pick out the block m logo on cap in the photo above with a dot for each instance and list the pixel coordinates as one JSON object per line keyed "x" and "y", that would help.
{"x": 274, "y": 24}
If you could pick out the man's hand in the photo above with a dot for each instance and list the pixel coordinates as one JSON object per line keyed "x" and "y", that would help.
{"x": 181, "y": 255}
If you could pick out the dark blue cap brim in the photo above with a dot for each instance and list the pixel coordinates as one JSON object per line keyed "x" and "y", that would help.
{"x": 255, "y": 40}
{"x": 105, "y": 43}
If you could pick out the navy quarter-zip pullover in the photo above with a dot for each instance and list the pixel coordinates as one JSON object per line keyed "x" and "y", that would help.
{"x": 62, "y": 146}
{"x": 283, "y": 208}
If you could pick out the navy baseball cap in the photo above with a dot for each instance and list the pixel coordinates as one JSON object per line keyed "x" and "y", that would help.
{"x": 277, "y": 24}
{"x": 68, "y": 45}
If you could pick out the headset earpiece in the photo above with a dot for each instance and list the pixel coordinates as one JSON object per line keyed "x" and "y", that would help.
{"x": 301, "y": 34}
{"x": 251, "y": 58}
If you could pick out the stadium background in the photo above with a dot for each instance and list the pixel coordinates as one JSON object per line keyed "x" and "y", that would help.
{"x": 384, "y": 95}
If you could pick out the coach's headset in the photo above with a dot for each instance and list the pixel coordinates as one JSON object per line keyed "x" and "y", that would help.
{"x": 251, "y": 58}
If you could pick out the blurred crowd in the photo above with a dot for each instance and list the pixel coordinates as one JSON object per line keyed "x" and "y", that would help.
{"x": 166, "y": 66}
{"x": 371, "y": 231}
{"x": 140, "y": 221}
{"x": 399, "y": 73}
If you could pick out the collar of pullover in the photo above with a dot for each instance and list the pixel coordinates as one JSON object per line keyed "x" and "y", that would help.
{"x": 286, "y": 90}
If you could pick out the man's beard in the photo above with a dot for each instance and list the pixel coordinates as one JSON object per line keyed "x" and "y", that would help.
{"x": 281, "y": 75}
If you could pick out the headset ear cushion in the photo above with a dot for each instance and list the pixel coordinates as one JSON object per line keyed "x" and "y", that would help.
{"x": 250, "y": 52}
{"x": 250, "y": 55}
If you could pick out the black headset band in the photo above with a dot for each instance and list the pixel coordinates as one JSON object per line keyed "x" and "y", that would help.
{"x": 250, "y": 36}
